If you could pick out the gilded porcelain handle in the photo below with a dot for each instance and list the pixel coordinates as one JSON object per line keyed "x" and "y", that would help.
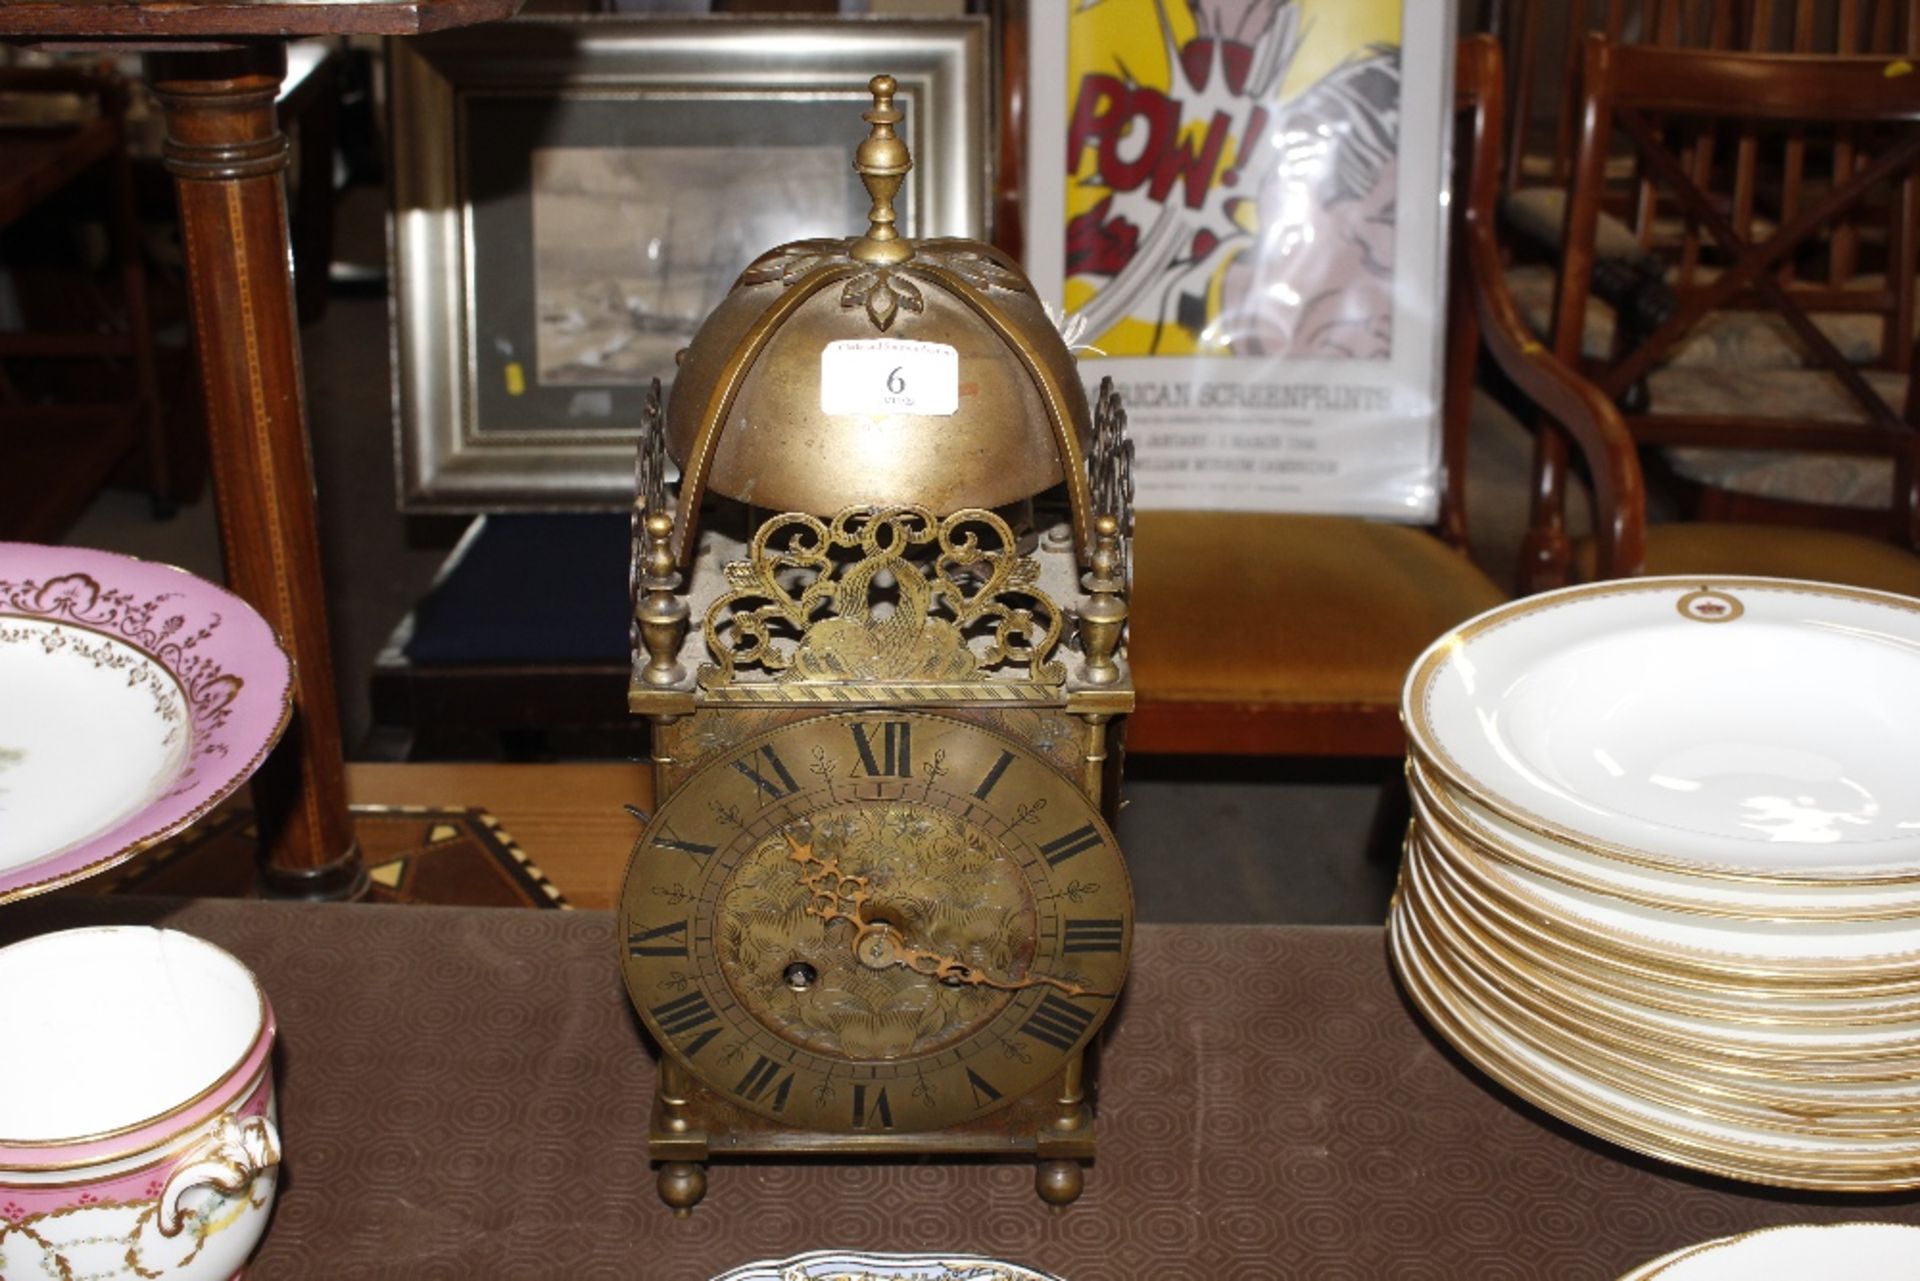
{"x": 228, "y": 1159}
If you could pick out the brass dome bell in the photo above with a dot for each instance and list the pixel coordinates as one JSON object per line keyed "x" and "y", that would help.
{"x": 747, "y": 416}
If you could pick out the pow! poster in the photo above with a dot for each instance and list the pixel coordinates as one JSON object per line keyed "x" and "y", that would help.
{"x": 1239, "y": 205}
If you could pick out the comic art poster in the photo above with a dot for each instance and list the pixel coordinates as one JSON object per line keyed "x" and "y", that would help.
{"x": 1239, "y": 204}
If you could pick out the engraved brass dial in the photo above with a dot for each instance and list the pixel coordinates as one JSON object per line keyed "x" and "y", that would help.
{"x": 876, "y": 921}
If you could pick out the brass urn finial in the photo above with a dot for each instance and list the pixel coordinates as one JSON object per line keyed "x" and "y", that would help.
{"x": 1103, "y": 615}
{"x": 882, "y": 161}
{"x": 661, "y": 613}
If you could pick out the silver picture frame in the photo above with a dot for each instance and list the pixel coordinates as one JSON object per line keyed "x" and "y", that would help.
{"x": 526, "y": 153}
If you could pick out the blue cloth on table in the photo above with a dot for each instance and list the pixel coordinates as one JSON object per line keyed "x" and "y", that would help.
{"x": 530, "y": 588}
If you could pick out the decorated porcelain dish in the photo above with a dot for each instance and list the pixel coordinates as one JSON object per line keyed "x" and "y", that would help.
{"x": 133, "y": 698}
{"x": 841, "y": 1265}
{"x": 1750, "y": 726}
{"x": 137, "y": 1117}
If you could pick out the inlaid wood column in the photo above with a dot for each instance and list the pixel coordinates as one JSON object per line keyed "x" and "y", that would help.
{"x": 229, "y": 161}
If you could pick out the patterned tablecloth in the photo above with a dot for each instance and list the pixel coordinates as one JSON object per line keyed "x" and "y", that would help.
{"x": 464, "y": 1094}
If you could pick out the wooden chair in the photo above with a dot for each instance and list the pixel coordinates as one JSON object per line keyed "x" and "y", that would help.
{"x": 1643, "y": 241}
{"x": 56, "y": 451}
{"x": 1263, "y": 634}
{"x": 1729, "y": 138}
{"x": 1543, "y": 42}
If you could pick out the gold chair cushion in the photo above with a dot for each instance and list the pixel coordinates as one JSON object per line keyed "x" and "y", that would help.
{"x": 1773, "y": 551}
{"x": 1235, "y": 607}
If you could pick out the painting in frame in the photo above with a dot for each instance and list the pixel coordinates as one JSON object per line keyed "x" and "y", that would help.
{"x": 1248, "y": 232}
{"x": 571, "y": 196}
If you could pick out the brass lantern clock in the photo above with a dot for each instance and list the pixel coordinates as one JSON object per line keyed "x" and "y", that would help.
{"x": 879, "y": 909}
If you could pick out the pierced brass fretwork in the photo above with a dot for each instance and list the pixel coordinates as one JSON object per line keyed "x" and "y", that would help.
{"x": 883, "y": 594}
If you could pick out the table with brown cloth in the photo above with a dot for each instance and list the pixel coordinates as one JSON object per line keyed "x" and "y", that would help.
{"x": 465, "y": 1093}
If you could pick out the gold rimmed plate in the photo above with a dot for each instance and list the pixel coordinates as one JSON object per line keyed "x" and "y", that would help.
{"x": 1791, "y": 1252}
{"x": 1811, "y": 956}
{"x": 1647, "y": 882}
{"x": 1536, "y": 944}
{"x": 1629, "y": 1122}
{"x": 1882, "y": 1109}
{"x": 1632, "y": 1123}
{"x": 1739, "y": 726}
{"x": 1861, "y": 1119}
{"x": 1781, "y": 1051}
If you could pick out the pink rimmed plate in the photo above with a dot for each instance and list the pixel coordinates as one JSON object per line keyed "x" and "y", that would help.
{"x": 134, "y": 697}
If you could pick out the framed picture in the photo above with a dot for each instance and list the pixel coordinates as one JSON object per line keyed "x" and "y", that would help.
{"x": 1248, "y": 234}
{"x": 571, "y": 197}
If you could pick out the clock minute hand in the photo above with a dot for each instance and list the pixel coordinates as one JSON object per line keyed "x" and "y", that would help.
{"x": 878, "y": 947}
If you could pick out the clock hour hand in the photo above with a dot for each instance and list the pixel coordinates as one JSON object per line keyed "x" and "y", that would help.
{"x": 878, "y": 946}
{"x": 834, "y": 895}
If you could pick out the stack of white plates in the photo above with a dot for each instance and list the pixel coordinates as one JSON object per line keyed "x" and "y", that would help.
{"x": 1663, "y": 876}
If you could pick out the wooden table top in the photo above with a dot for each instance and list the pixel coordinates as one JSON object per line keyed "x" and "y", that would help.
{"x": 570, "y": 819}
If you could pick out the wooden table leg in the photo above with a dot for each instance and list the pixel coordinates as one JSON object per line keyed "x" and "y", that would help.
{"x": 229, "y": 161}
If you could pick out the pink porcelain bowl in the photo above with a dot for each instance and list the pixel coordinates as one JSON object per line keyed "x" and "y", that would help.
{"x": 137, "y": 1130}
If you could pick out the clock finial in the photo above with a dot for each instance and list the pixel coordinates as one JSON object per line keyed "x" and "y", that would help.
{"x": 882, "y": 162}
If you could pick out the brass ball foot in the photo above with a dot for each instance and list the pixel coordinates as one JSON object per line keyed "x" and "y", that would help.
{"x": 1059, "y": 1182}
{"x": 682, "y": 1184}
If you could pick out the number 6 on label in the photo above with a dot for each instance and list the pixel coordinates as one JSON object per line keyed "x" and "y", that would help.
{"x": 889, "y": 376}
